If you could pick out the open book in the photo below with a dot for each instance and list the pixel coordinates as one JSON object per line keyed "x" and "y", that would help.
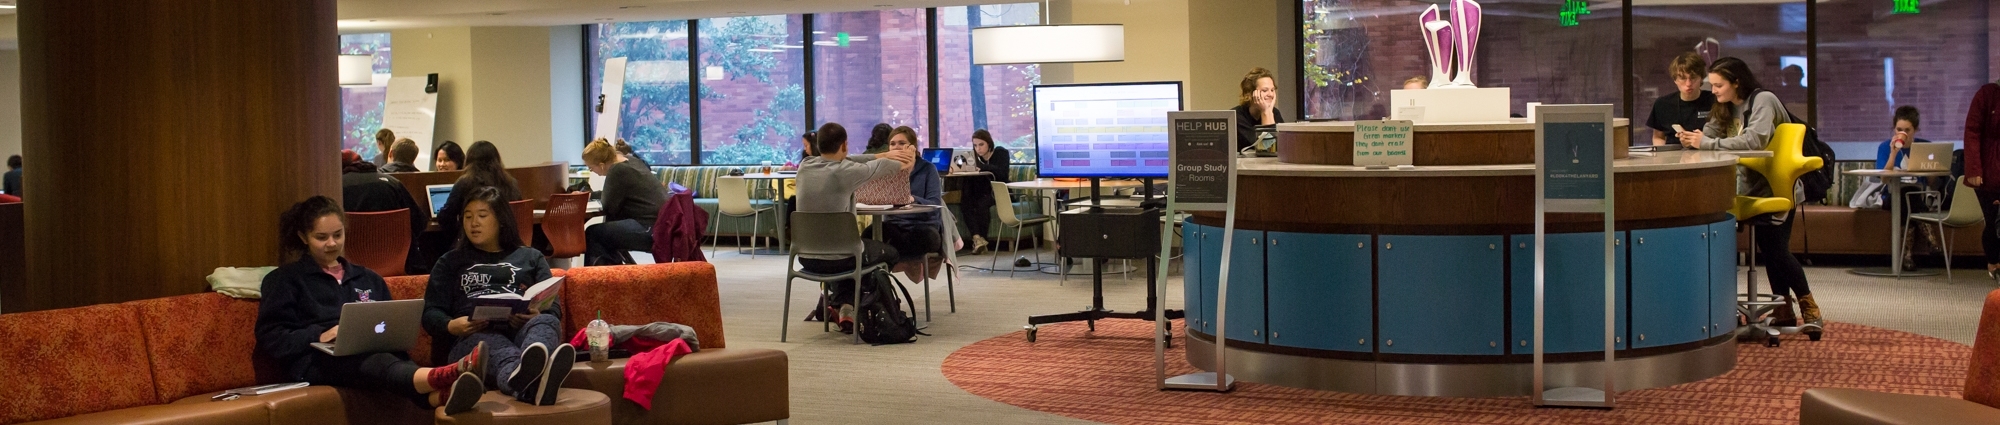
{"x": 500, "y": 307}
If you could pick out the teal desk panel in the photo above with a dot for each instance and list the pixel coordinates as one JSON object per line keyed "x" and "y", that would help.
{"x": 1211, "y": 264}
{"x": 1193, "y": 302}
{"x": 1722, "y": 278}
{"x": 1442, "y": 295}
{"x": 1322, "y": 293}
{"x": 1670, "y": 291}
{"x": 1246, "y": 287}
{"x": 1574, "y": 293}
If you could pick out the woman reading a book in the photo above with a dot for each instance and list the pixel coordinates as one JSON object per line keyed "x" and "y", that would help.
{"x": 301, "y": 305}
{"x": 489, "y": 262}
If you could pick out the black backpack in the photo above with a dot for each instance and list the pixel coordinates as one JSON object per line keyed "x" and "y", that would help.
{"x": 1817, "y": 182}
{"x": 881, "y": 319}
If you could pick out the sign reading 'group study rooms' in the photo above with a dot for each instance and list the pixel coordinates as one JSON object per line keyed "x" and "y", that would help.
{"x": 1203, "y": 150}
{"x": 1385, "y": 142}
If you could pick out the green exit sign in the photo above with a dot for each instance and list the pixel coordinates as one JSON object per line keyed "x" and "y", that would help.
{"x": 1905, "y": 7}
{"x": 1573, "y": 8}
{"x": 840, "y": 39}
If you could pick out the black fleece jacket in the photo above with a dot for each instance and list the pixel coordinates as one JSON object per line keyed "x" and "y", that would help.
{"x": 301, "y": 301}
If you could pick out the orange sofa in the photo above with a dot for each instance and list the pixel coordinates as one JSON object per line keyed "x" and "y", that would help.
{"x": 158, "y": 361}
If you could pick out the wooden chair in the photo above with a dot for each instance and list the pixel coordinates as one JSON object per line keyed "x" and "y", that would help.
{"x": 564, "y": 224}
{"x": 524, "y": 219}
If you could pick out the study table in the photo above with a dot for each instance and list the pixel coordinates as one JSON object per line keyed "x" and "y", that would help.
{"x": 1893, "y": 184}
{"x": 1421, "y": 281}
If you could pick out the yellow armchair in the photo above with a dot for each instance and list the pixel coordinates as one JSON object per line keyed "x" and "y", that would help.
{"x": 1787, "y": 162}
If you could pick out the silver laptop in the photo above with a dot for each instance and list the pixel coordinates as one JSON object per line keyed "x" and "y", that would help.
{"x": 441, "y": 193}
{"x": 375, "y": 327}
{"x": 1928, "y": 157}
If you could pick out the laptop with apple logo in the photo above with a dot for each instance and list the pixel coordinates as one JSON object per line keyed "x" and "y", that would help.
{"x": 375, "y": 327}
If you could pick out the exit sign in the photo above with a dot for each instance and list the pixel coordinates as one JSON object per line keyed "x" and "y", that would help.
{"x": 840, "y": 39}
{"x": 1573, "y": 8}
{"x": 1905, "y": 7}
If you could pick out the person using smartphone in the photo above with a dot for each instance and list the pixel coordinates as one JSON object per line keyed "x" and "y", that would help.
{"x": 1687, "y": 107}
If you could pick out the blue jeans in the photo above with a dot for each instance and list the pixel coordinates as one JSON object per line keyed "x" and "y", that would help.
{"x": 503, "y": 347}
{"x": 606, "y": 243}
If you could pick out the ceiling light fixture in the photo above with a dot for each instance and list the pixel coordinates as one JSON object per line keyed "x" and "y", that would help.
{"x": 357, "y": 70}
{"x": 6, "y": 6}
{"x": 1048, "y": 43}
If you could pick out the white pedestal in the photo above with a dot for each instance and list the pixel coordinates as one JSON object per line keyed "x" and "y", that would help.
{"x": 1447, "y": 105}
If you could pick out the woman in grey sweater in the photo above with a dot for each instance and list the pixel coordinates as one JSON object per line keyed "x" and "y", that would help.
{"x": 1744, "y": 118}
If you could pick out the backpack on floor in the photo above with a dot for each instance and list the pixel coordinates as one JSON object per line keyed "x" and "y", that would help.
{"x": 881, "y": 319}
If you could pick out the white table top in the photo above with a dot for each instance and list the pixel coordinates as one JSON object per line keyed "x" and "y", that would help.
{"x": 1658, "y": 161}
{"x": 1511, "y": 124}
{"x": 773, "y": 176}
{"x": 1876, "y": 172}
{"x": 906, "y": 209}
{"x": 1047, "y": 184}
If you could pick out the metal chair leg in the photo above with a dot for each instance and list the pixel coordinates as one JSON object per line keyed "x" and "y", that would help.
{"x": 951, "y": 295}
{"x": 785, "y": 321}
{"x": 716, "y": 244}
{"x": 1945, "y": 240}
{"x": 924, "y": 266}
{"x": 993, "y": 266}
{"x": 756, "y": 225}
{"x": 1016, "y": 252}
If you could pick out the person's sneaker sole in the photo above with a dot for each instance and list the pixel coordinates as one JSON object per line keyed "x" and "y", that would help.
{"x": 465, "y": 393}
{"x": 534, "y": 360}
{"x": 560, "y": 364}
{"x": 478, "y": 366}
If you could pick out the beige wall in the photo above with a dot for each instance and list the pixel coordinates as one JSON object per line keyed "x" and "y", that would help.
{"x": 10, "y": 104}
{"x": 493, "y": 85}
{"x": 1206, "y": 44}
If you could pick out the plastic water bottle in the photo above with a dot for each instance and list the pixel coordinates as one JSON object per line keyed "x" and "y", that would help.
{"x": 599, "y": 336}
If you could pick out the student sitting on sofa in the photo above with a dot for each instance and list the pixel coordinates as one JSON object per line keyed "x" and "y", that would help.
{"x": 301, "y": 305}
{"x": 490, "y": 259}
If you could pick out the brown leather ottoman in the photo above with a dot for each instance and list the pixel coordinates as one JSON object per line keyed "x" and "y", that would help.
{"x": 1844, "y": 406}
{"x": 573, "y": 407}
{"x": 715, "y": 386}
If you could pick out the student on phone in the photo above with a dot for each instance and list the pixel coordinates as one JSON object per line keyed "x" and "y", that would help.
{"x": 301, "y": 305}
{"x": 490, "y": 259}
{"x": 1688, "y": 107}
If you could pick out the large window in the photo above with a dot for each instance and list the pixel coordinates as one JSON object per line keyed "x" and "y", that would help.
{"x": 998, "y": 98}
{"x": 752, "y": 89}
{"x": 1770, "y": 37}
{"x": 1877, "y": 60}
{"x": 1356, "y": 52}
{"x": 870, "y": 67}
{"x": 361, "y": 106}
{"x": 654, "y": 115}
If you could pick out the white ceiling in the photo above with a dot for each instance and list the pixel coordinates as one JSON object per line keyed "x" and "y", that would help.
{"x": 376, "y": 15}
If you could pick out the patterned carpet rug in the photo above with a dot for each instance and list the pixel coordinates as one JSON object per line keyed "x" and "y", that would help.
{"x": 1106, "y": 376}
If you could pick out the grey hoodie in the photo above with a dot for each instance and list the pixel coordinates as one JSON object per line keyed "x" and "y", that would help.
{"x": 1754, "y": 131}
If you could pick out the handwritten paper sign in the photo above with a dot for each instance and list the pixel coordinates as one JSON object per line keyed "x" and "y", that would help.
{"x": 1385, "y": 142}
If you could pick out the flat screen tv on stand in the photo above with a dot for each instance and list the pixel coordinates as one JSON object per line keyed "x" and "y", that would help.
{"x": 1104, "y": 130}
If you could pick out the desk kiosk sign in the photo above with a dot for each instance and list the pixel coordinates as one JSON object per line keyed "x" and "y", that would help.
{"x": 1385, "y": 142}
{"x": 1202, "y": 149}
{"x": 1573, "y": 174}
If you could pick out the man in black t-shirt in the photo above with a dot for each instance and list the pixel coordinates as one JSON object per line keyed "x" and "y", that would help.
{"x": 1688, "y": 106}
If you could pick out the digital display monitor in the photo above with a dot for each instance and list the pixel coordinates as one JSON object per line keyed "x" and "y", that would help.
{"x": 1104, "y": 130}
{"x": 939, "y": 157}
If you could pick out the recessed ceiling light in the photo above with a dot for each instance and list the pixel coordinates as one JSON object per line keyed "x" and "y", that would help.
{"x": 6, "y": 6}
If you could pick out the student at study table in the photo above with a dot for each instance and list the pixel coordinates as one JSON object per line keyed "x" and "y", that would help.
{"x": 914, "y": 235}
{"x": 11, "y": 183}
{"x": 1688, "y": 106}
{"x": 383, "y": 138}
{"x": 483, "y": 168}
{"x": 827, "y": 183}
{"x": 364, "y": 189}
{"x": 878, "y": 139}
{"x": 301, "y": 305}
{"x": 1906, "y": 122}
{"x": 1744, "y": 118}
{"x": 978, "y": 198}
{"x": 402, "y": 157}
{"x": 632, "y": 199}
{"x": 631, "y": 157}
{"x": 449, "y": 157}
{"x": 1256, "y": 106}
{"x": 529, "y": 359}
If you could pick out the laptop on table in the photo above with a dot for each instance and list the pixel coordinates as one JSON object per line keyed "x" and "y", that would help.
{"x": 439, "y": 194}
{"x": 375, "y": 327}
{"x": 1928, "y": 157}
{"x": 939, "y": 157}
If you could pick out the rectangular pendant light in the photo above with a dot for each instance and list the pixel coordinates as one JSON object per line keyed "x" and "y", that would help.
{"x": 357, "y": 70}
{"x": 1048, "y": 44}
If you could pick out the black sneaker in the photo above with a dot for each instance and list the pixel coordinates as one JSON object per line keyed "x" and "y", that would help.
{"x": 465, "y": 393}
{"x": 534, "y": 360}
{"x": 560, "y": 363}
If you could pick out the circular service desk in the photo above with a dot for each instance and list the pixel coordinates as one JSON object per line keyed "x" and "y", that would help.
{"x": 1421, "y": 282}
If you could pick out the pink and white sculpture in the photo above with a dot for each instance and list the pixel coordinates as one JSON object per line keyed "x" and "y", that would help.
{"x": 1465, "y": 16}
{"x": 1451, "y": 42}
{"x": 1439, "y": 39}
